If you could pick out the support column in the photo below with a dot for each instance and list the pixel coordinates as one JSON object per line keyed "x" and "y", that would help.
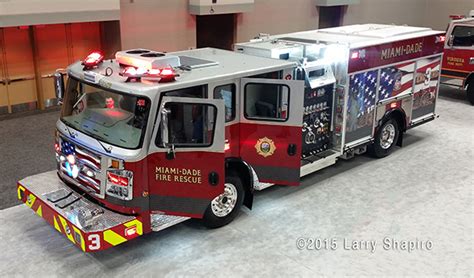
{"x": 36, "y": 65}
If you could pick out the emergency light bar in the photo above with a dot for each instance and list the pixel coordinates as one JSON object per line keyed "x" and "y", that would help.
{"x": 161, "y": 75}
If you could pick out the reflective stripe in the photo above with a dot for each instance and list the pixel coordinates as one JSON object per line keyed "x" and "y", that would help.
{"x": 56, "y": 225}
{"x": 20, "y": 189}
{"x": 39, "y": 211}
{"x": 30, "y": 200}
{"x": 67, "y": 231}
{"x": 113, "y": 238}
{"x": 83, "y": 243}
{"x": 136, "y": 223}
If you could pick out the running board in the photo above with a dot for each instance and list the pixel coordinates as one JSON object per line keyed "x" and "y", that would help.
{"x": 161, "y": 221}
{"x": 315, "y": 163}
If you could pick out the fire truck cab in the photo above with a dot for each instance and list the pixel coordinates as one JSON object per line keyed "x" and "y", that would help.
{"x": 150, "y": 139}
{"x": 458, "y": 62}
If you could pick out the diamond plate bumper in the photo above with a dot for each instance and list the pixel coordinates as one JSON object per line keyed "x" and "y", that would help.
{"x": 86, "y": 224}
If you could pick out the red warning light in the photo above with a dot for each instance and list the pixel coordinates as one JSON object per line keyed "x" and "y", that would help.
{"x": 355, "y": 55}
{"x": 93, "y": 59}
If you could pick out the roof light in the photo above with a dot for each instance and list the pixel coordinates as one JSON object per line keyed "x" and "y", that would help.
{"x": 456, "y": 16}
{"x": 93, "y": 59}
{"x": 135, "y": 74}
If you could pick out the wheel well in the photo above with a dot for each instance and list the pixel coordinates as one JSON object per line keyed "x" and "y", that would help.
{"x": 399, "y": 116}
{"x": 245, "y": 173}
{"x": 469, "y": 80}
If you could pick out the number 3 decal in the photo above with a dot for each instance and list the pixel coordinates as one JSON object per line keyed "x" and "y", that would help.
{"x": 94, "y": 242}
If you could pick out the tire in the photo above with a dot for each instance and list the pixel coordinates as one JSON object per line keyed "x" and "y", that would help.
{"x": 386, "y": 138}
{"x": 220, "y": 211}
{"x": 470, "y": 92}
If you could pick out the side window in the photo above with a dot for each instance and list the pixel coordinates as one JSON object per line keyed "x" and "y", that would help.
{"x": 463, "y": 36}
{"x": 266, "y": 101}
{"x": 227, "y": 93}
{"x": 189, "y": 124}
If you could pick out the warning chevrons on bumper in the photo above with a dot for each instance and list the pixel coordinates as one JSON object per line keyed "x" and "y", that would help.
{"x": 88, "y": 241}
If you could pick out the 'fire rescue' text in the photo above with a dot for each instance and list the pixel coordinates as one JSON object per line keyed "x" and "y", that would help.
{"x": 181, "y": 175}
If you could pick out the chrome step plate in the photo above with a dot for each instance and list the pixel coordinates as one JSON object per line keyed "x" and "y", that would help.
{"x": 161, "y": 221}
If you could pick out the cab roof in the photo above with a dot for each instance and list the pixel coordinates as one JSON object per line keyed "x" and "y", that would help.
{"x": 222, "y": 65}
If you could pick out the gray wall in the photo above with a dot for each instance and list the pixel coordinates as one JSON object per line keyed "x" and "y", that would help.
{"x": 166, "y": 24}
{"x": 163, "y": 25}
{"x": 439, "y": 10}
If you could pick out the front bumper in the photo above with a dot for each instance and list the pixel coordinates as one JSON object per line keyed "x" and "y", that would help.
{"x": 86, "y": 224}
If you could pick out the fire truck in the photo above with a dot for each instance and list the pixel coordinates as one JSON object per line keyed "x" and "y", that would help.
{"x": 150, "y": 139}
{"x": 458, "y": 62}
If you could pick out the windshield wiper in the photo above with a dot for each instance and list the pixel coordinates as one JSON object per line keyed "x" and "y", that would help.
{"x": 79, "y": 100}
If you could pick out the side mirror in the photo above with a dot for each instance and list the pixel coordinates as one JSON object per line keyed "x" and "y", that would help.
{"x": 59, "y": 86}
{"x": 451, "y": 41}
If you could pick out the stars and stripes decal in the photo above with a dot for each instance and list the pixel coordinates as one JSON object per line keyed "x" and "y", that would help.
{"x": 362, "y": 92}
{"x": 396, "y": 80}
{"x": 362, "y": 96}
{"x": 426, "y": 86}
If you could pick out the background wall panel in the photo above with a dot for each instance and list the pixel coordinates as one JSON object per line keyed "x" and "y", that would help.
{"x": 20, "y": 69}
{"x": 164, "y": 25}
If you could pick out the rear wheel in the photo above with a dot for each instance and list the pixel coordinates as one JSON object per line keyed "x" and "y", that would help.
{"x": 470, "y": 92}
{"x": 225, "y": 207}
{"x": 385, "y": 139}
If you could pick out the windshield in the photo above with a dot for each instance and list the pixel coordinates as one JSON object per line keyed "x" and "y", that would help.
{"x": 114, "y": 118}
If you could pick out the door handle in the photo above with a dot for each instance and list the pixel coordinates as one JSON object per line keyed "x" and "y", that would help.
{"x": 213, "y": 178}
{"x": 471, "y": 61}
{"x": 292, "y": 149}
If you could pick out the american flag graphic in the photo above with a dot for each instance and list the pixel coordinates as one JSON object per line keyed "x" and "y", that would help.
{"x": 67, "y": 148}
{"x": 426, "y": 84}
{"x": 396, "y": 80}
{"x": 362, "y": 93}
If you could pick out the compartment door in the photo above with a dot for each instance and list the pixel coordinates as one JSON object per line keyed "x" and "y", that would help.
{"x": 427, "y": 80}
{"x": 186, "y": 160}
{"x": 271, "y": 128}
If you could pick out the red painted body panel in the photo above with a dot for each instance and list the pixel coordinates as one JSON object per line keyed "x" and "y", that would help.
{"x": 204, "y": 162}
{"x": 386, "y": 54}
{"x": 282, "y": 136}
{"x": 457, "y": 60}
{"x": 232, "y": 136}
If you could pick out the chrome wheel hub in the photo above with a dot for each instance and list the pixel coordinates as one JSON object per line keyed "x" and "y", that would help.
{"x": 387, "y": 136}
{"x": 225, "y": 203}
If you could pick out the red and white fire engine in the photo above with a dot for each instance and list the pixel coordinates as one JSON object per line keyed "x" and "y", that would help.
{"x": 458, "y": 62}
{"x": 150, "y": 139}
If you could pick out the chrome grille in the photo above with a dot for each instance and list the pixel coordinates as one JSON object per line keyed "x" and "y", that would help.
{"x": 88, "y": 175}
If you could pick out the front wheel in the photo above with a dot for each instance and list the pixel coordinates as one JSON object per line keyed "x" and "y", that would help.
{"x": 386, "y": 138}
{"x": 470, "y": 92}
{"x": 225, "y": 207}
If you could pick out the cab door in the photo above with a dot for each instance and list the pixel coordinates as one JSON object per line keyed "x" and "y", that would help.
{"x": 271, "y": 128}
{"x": 186, "y": 160}
{"x": 458, "y": 61}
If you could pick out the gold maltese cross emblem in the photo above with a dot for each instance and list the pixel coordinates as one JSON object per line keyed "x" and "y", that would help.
{"x": 265, "y": 147}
